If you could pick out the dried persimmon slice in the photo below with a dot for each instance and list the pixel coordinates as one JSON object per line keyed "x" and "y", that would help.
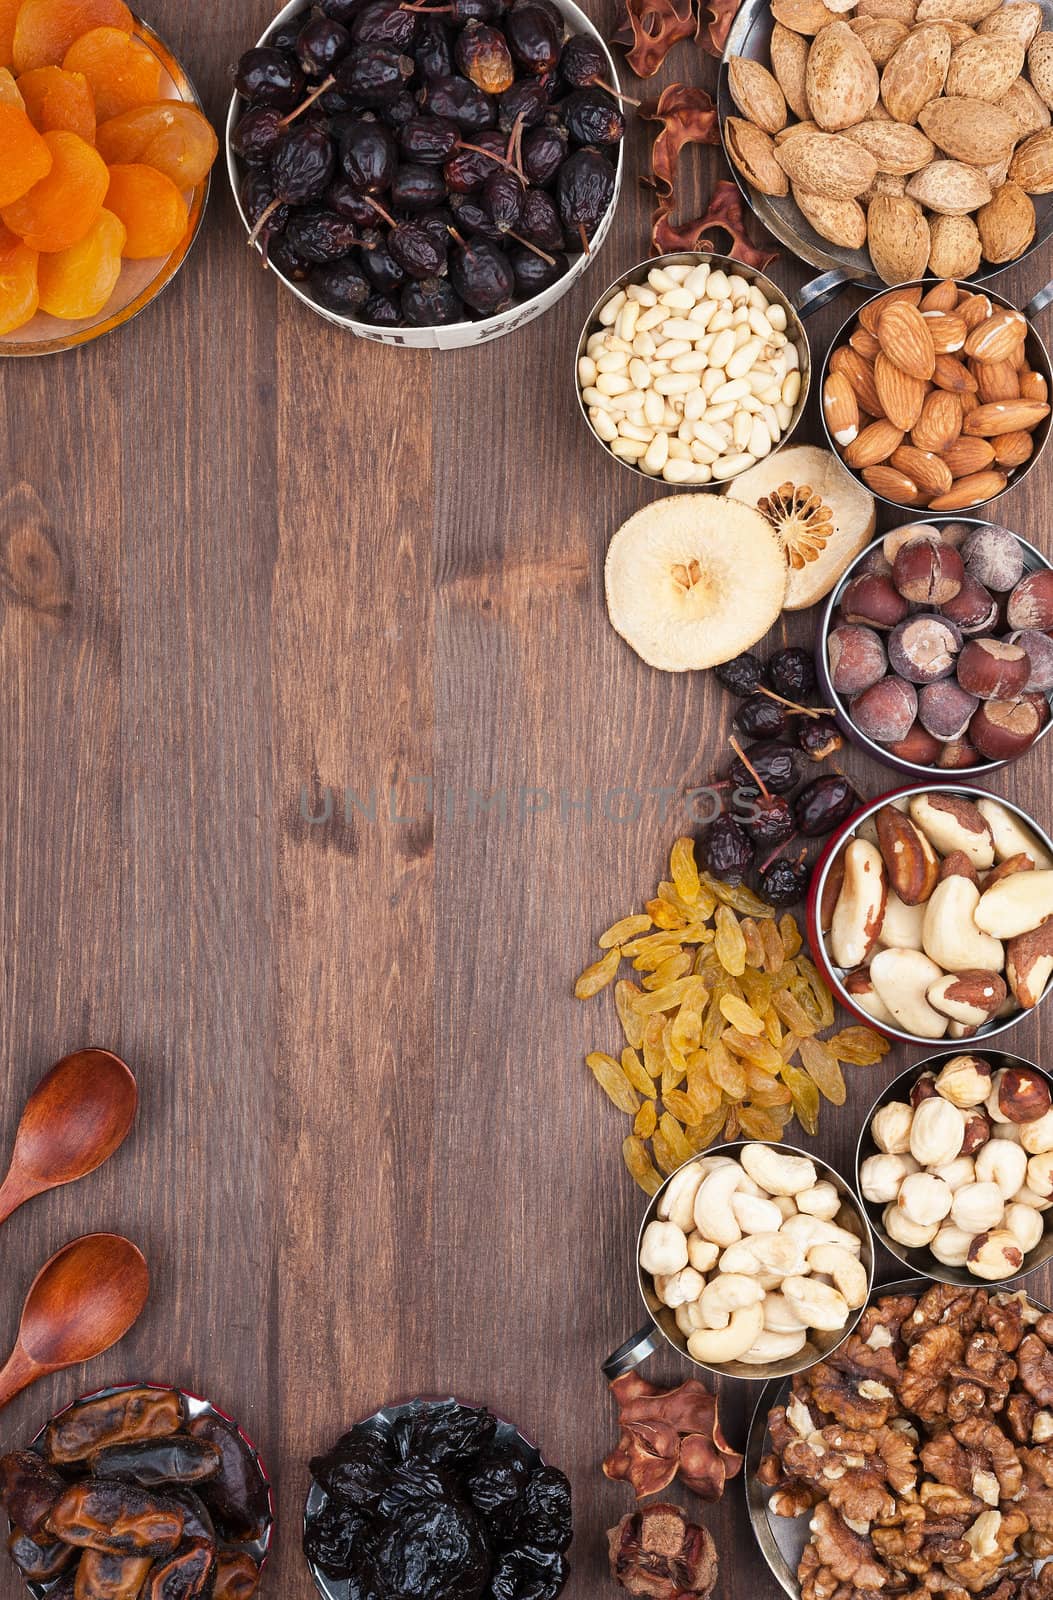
{"x": 151, "y": 208}
{"x": 18, "y": 282}
{"x": 57, "y": 100}
{"x": 45, "y": 29}
{"x": 27, "y": 158}
{"x": 174, "y": 138}
{"x": 122, "y": 71}
{"x": 60, "y": 209}
{"x": 78, "y": 282}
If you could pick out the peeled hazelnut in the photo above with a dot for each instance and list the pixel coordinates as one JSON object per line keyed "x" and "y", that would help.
{"x": 1040, "y": 1174}
{"x": 994, "y": 1256}
{"x": 965, "y": 1081}
{"x": 1027, "y": 1197}
{"x": 977, "y": 1132}
{"x": 993, "y": 669}
{"x": 927, "y": 571}
{"x": 977, "y": 1207}
{"x": 923, "y": 1088}
{"x": 1037, "y": 1137}
{"x": 873, "y": 599}
{"x": 891, "y": 1129}
{"x": 936, "y": 1132}
{"x": 1025, "y": 1224}
{"x": 924, "y": 1198}
{"x": 912, "y": 1235}
{"x": 957, "y": 1172}
{"x": 1022, "y": 1096}
{"x": 951, "y": 1246}
{"x": 1004, "y": 1164}
{"x": 880, "y": 1177}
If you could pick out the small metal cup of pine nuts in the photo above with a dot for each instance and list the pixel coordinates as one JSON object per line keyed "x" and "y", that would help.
{"x": 691, "y": 368}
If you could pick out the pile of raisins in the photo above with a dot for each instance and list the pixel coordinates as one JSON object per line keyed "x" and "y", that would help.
{"x": 422, "y": 163}
{"x": 769, "y": 805}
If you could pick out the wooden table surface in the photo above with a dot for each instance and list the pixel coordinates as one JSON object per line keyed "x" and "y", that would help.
{"x": 246, "y": 563}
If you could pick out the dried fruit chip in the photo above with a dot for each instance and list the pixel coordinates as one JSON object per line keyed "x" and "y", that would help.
{"x": 45, "y": 29}
{"x": 613, "y": 1082}
{"x": 823, "y": 1068}
{"x": 18, "y": 283}
{"x": 56, "y": 99}
{"x": 60, "y": 208}
{"x": 151, "y": 208}
{"x": 79, "y": 281}
{"x": 26, "y": 159}
{"x": 174, "y": 138}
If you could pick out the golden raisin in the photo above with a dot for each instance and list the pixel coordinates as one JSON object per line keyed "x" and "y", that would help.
{"x": 598, "y": 976}
{"x": 123, "y": 72}
{"x": 56, "y": 99}
{"x": 26, "y": 157}
{"x": 174, "y": 138}
{"x": 634, "y": 1154}
{"x": 61, "y": 207}
{"x": 613, "y": 1082}
{"x": 79, "y": 281}
{"x": 45, "y": 29}
{"x": 18, "y": 283}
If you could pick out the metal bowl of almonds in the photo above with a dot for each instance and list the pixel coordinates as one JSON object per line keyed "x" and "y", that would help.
{"x": 890, "y": 147}
{"x": 937, "y": 397}
{"x": 691, "y": 368}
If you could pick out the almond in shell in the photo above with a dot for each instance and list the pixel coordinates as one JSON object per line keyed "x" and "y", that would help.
{"x": 757, "y": 94}
{"x": 916, "y": 73}
{"x": 880, "y": 37}
{"x": 968, "y": 129}
{"x": 1032, "y": 163}
{"x": 898, "y": 238}
{"x": 954, "y": 247}
{"x": 753, "y": 153}
{"x": 984, "y": 68}
{"x": 803, "y": 16}
{"x": 1040, "y": 65}
{"x": 1006, "y": 223}
{"x": 843, "y": 222}
{"x": 1023, "y": 102}
{"x": 895, "y": 147}
{"x": 904, "y": 336}
{"x": 958, "y": 31}
{"x": 841, "y": 80}
{"x": 968, "y": 11}
{"x": 896, "y": 10}
{"x": 789, "y": 59}
{"x": 827, "y": 164}
{"x": 1020, "y": 21}
{"x": 950, "y": 188}
{"x": 940, "y": 422}
{"x": 901, "y": 396}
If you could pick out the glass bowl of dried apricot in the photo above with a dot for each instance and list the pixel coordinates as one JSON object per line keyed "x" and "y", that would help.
{"x": 105, "y": 155}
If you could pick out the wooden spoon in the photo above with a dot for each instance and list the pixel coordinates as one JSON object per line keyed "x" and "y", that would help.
{"x": 73, "y": 1121}
{"x": 79, "y": 1304}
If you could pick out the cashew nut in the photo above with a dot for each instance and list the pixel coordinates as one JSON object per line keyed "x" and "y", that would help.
{"x": 726, "y": 1293}
{"x": 663, "y": 1249}
{"x": 766, "y": 1252}
{"x": 688, "y": 1317}
{"x": 1037, "y": 1137}
{"x": 901, "y": 925}
{"x": 786, "y": 1205}
{"x": 777, "y": 1172}
{"x": 937, "y": 1132}
{"x": 860, "y": 907}
{"x": 1040, "y": 1174}
{"x": 1003, "y": 1163}
{"x": 772, "y": 1346}
{"x": 714, "y": 1217}
{"x": 715, "y": 1346}
{"x": 779, "y": 1315}
{"x": 1025, "y": 1224}
{"x": 849, "y": 1274}
{"x": 817, "y": 1304}
{"x": 901, "y": 978}
{"x": 681, "y": 1288}
{"x": 951, "y": 1245}
{"x": 910, "y": 1234}
{"x": 1012, "y": 837}
{"x": 756, "y": 1216}
{"x": 822, "y": 1201}
{"x": 924, "y": 1198}
{"x": 890, "y": 1127}
{"x": 976, "y": 1207}
{"x": 677, "y": 1202}
{"x": 880, "y": 1176}
{"x": 810, "y": 1231}
{"x": 701, "y": 1253}
{"x": 951, "y": 936}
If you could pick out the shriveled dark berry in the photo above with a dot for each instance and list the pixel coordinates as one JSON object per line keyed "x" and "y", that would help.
{"x": 591, "y": 116}
{"x": 482, "y": 276}
{"x": 544, "y": 152}
{"x": 539, "y": 221}
{"x": 468, "y": 170}
{"x": 322, "y": 42}
{"x": 320, "y": 236}
{"x": 784, "y": 882}
{"x": 462, "y": 102}
{"x": 503, "y": 195}
{"x": 472, "y": 218}
{"x": 824, "y": 804}
{"x": 284, "y": 259}
{"x": 760, "y": 717}
{"x": 432, "y": 51}
{"x": 302, "y": 164}
{"x": 416, "y": 187}
{"x": 818, "y": 737}
{"x": 398, "y": 108}
{"x": 743, "y": 674}
{"x": 791, "y": 673}
{"x": 342, "y": 286}
{"x": 416, "y": 251}
{"x": 778, "y": 766}
{"x": 372, "y": 73}
{"x": 368, "y": 156}
{"x": 384, "y": 23}
{"x": 382, "y": 311}
{"x": 268, "y": 77}
{"x": 431, "y": 302}
{"x": 482, "y": 54}
{"x": 525, "y": 103}
{"x": 380, "y": 266}
{"x": 533, "y": 37}
{"x": 427, "y": 139}
{"x": 256, "y": 134}
{"x": 584, "y": 190}
{"x": 350, "y": 202}
{"x": 726, "y": 849}
{"x": 533, "y": 273}
{"x": 582, "y": 62}
{"x": 768, "y": 821}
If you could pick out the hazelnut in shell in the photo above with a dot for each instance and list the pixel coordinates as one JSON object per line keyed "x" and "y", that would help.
{"x": 927, "y": 571}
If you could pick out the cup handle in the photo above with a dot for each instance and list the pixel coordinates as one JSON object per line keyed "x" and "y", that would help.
{"x": 1040, "y": 301}
{"x": 818, "y": 292}
{"x": 632, "y": 1352}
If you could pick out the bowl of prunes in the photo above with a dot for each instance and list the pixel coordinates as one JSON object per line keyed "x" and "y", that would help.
{"x": 429, "y": 175}
{"x": 140, "y": 1490}
{"x": 439, "y": 1500}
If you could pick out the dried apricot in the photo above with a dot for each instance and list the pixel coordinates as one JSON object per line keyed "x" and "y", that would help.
{"x": 8, "y": 13}
{"x": 26, "y": 157}
{"x": 10, "y": 93}
{"x": 61, "y": 208}
{"x": 78, "y": 282}
{"x": 18, "y": 282}
{"x": 123, "y": 72}
{"x": 174, "y": 138}
{"x": 155, "y": 214}
{"x": 59, "y": 100}
{"x": 45, "y": 29}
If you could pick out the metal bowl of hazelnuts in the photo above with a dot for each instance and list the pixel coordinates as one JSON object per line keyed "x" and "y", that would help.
{"x": 954, "y": 1167}
{"x": 934, "y": 649}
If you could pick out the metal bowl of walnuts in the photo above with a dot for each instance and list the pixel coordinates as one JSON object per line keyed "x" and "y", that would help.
{"x": 954, "y": 1167}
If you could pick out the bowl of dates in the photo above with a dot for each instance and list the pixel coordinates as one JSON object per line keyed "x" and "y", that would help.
{"x": 436, "y": 1500}
{"x": 936, "y": 651}
{"x": 427, "y": 175}
{"x": 955, "y": 1167}
{"x": 107, "y": 160}
{"x": 931, "y": 914}
{"x": 139, "y": 1491}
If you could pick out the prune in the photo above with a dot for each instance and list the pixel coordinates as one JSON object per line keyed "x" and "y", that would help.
{"x": 237, "y": 1576}
{"x": 482, "y": 54}
{"x": 525, "y": 103}
{"x": 115, "y": 1419}
{"x": 368, "y": 156}
{"x": 544, "y": 151}
{"x": 417, "y": 252}
{"x": 334, "y": 1537}
{"x": 320, "y": 236}
{"x": 481, "y": 274}
{"x": 186, "y": 1577}
{"x": 461, "y": 102}
{"x": 349, "y": 202}
{"x": 382, "y": 311}
{"x": 432, "y": 50}
{"x": 544, "y": 1515}
{"x": 268, "y": 77}
{"x": 416, "y": 187}
{"x": 428, "y": 139}
{"x": 582, "y": 63}
{"x": 40, "y": 1559}
{"x": 533, "y": 273}
{"x": 28, "y": 1489}
{"x": 436, "y": 1553}
{"x": 777, "y": 765}
{"x": 760, "y": 717}
{"x": 591, "y": 116}
{"x": 356, "y": 1470}
{"x": 256, "y": 134}
{"x": 468, "y": 169}
{"x": 528, "y": 1574}
{"x": 472, "y": 218}
{"x": 791, "y": 673}
{"x": 495, "y": 1482}
{"x": 769, "y": 820}
{"x": 539, "y": 221}
{"x": 237, "y": 1495}
{"x": 584, "y": 191}
{"x": 503, "y": 195}
{"x": 446, "y": 1433}
{"x": 533, "y": 37}
{"x": 414, "y": 1483}
{"x": 117, "y": 1518}
{"x": 321, "y": 44}
{"x": 784, "y": 882}
{"x": 372, "y": 73}
{"x": 726, "y": 849}
{"x": 381, "y": 268}
{"x": 151, "y": 1462}
{"x": 384, "y": 23}
{"x": 823, "y": 804}
{"x": 114, "y": 1577}
{"x": 431, "y": 302}
{"x": 818, "y": 737}
{"x": 743, "y": 675}
{"x": 302, "y": 164}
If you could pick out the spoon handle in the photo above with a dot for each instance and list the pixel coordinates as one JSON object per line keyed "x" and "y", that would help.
{"x": 17, "y": 1375}
{"x": 14, "y": 1192}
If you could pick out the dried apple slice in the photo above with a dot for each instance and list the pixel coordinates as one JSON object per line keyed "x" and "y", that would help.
{"x": 692, "y": 581}
{"x": 823, "y": 517}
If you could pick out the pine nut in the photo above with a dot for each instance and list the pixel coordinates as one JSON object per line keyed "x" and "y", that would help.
{"x": 609, "y": 311}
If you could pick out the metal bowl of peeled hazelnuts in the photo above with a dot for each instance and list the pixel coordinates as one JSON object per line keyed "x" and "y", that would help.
{"x": 955, "y": 1167}
{"x": 935, "y": 648}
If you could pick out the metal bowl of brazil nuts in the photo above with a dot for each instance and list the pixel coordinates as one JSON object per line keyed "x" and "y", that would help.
{"x": 836, "y": 1214}
{"x": 1008, "y": 1145}
{"x": 692, "y": 421}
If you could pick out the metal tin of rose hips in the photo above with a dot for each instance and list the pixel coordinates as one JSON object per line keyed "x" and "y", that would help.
{"x": 1034, "y": 561}
{"x": 1037, "y": 358}
{"x": 822, "y": 896}
{"x": 663, "y": 1327}
{"x": 695, "y": 258}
